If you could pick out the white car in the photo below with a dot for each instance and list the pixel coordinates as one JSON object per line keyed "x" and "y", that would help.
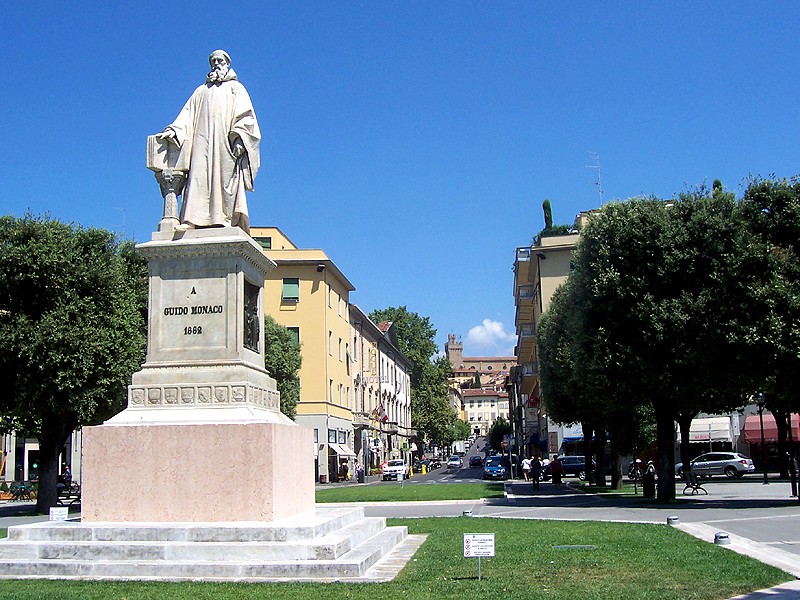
{"x": 394, "y": 469}
{"x": 455, "y": 462}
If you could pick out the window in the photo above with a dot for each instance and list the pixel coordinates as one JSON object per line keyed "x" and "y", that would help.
{"x": 330, "y": 343}
{"x": 332, "y": 436}
{"x": 330, "y": 297}
{"x": 264, "y": 242}
{"x": 340, "y": 350}
{"x": 291, "y": 289}
{"x": 489, "y": 368}
{"x": 341, "y": 399}
{"x": 295, "y": 331}
{"x": 316, "y": 435}
{"x": 342, "y": 437}
{"x": 339, "y": 305}
{"x": 330, "y": 390}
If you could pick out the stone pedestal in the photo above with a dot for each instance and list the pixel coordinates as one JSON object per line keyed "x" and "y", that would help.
{"x": 203, "y": 438}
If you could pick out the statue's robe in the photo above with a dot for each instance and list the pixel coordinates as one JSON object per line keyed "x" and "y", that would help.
{"x": 214, "y": 116}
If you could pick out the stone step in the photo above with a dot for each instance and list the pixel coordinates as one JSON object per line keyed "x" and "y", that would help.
{"x": 300, "y": 527}
{"x": 330, "y": 546}
{"x": 353, "y": 563}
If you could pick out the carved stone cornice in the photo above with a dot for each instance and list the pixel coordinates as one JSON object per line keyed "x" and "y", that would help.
{"x": 206, "y": 243}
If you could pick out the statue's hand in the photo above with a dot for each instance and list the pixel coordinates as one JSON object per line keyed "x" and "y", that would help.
{"x": 238, "y": 148}
{"x": 168, "y": 135}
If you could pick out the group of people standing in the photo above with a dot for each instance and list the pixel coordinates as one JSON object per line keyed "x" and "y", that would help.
{"x": 532, "y": 470}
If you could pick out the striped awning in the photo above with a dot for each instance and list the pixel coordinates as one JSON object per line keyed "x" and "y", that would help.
{"x": 752, "y": 429}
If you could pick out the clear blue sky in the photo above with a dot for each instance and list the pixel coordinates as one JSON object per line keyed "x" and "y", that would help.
{"x": 414, "y": 142}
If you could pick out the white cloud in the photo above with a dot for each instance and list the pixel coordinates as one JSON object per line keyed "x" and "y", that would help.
{"x": 490, "y": 335}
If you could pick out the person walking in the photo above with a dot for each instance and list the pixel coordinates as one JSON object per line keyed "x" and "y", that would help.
{"x": 526, "y": 468}
{"x": 536, "y": 471}
{"x": 557, "y": 471}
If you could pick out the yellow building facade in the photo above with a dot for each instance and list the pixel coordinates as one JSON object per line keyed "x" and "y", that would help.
{"x": 354, "y": 383}
{"x": 308, "y": 294}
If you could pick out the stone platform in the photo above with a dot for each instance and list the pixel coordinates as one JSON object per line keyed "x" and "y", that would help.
{"x": 327, "y": 544}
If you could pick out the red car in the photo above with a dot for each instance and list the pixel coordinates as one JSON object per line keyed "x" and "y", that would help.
{"x": 475, "y": 461}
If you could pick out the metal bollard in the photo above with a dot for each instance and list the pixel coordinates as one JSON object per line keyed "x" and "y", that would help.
{"x": 722, "y": 538}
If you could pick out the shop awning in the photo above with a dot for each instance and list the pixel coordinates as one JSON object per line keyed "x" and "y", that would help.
{"x": 341, "y": 449}
{"x": 752, "y": 429}
{"x": 572, "y": 439}
{"x": 709, "y": 429}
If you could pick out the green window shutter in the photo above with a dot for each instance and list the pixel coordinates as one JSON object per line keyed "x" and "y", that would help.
{"x": 291, "y": 289}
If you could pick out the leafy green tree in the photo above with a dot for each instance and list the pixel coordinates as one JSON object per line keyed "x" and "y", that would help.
{"x": 498, "y": 430}
{"x": 72, "y": 331}
{"x": 771, "y": 210}
{"x": 431, "y": 414}
{"x": 282, "y": 359}
{"x": 663, "y": 294}
{"x": 655, "y": 317}
{"x": 462, "y": 429}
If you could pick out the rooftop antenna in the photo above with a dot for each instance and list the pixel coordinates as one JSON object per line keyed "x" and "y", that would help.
{"x": 594, "y": 156}
{"x": 122, "y": 210}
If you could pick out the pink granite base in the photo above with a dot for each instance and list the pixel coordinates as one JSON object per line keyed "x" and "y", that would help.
{"x": 196, "y": 473}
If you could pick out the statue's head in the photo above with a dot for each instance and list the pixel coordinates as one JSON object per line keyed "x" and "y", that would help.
{"x": 220, "y": 63}
{"x": 217, "y": 57}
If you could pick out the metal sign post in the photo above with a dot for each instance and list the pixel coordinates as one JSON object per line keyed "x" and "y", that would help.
{"x": 477, "y": 545}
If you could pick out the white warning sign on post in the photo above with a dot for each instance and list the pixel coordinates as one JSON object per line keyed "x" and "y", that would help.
{"x": 477, "y": 545}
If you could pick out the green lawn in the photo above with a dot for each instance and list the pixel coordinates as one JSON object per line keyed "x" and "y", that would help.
{"x": 396, "y": 492}
{"x": 627, "y": 561}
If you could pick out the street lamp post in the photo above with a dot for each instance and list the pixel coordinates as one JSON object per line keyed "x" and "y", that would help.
{"x": 760, "y": 400}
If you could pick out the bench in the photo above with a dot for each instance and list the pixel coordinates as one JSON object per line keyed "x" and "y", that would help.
{"x": 69, "y": 494}
{"x": 693, "y": 485}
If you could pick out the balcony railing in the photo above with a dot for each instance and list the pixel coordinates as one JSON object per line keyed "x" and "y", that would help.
{"x": 523, "y": 253}
{"x": 527, "y": 330}
{"x": 530, "y": 369}
{"x": 361, "y": 419}
{"x": 526, "y": 294}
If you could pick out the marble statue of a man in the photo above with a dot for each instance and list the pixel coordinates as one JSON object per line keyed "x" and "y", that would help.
{"x": 218, "y": 130}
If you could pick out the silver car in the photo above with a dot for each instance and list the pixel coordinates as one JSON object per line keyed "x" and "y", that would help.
{"x": 731, "y": 464}
{"x": 455, "y": 462}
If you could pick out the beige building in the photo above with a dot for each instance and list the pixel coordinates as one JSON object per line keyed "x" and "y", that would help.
{"x": 381, "y": 377}
{"x": 539, "y": 270}
{"x": 492, "y": 370}
{"x": 482, "y": 407}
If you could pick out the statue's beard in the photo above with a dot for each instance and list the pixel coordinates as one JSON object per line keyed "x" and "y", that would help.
{"x": 216, "y": 75}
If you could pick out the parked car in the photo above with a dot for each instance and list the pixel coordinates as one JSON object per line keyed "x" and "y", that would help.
{"x": 730, "y": 464}
{"x": 394, "y": 468}
{"x": 574, "y": 466}
{"x": 434, "y": 463}
{"x": 475, "y": 461}
{"x": 455, "y": 462}
{"x": 495, "y": 468}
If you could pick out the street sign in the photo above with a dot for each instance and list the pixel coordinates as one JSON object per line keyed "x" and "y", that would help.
{"x": 478, "y": 545}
